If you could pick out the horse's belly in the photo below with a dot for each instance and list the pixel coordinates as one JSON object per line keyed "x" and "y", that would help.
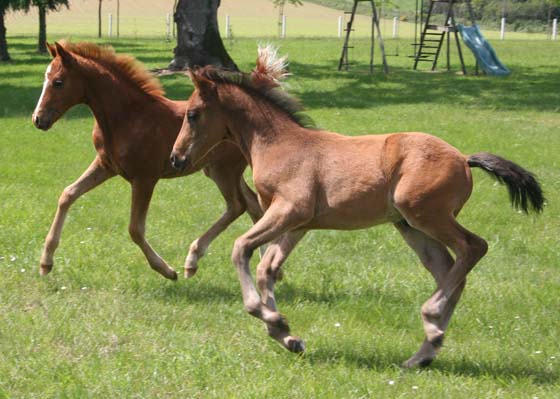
{"x": 355, "y": 215}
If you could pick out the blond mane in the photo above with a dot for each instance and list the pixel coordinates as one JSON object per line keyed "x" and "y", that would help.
{"x": 126, "y": 64}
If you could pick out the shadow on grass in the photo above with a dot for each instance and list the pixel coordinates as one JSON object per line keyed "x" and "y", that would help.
{"x": 286, "y": 295}
{"x": 508, "y": 371}
{"x": 527, "y": 88}
{"x": 322, "y": 86}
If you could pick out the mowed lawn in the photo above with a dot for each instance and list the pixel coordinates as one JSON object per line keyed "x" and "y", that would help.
{"x": 103, "y": 324}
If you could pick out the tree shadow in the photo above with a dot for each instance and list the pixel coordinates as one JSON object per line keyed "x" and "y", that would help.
{"x": 527, "y": 88}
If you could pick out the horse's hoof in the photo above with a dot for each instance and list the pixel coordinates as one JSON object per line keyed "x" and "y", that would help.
{"x": 295, "y": 345}
{"x": 415, "y": 362}
{"x": 190, "y": 272}
{"x": 45, "y": 269}
{"x": 170, "y": 274}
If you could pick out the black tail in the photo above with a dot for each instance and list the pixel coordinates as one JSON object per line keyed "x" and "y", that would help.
{"x": 524, "y": 189}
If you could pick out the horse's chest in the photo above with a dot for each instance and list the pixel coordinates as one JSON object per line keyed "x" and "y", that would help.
{"x": 118, "y": 155}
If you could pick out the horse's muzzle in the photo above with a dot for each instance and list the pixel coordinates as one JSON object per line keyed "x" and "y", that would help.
{"x": 41, "y": 123}
{"x": 177, "y": 161}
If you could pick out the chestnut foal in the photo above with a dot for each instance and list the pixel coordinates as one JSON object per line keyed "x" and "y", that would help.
{"x": 134, "y": 130}
{"x": 313, "y": 179}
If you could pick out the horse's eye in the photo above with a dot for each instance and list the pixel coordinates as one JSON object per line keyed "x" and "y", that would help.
{"x": 57, "y": 83}
{"x": 192, "y": 116}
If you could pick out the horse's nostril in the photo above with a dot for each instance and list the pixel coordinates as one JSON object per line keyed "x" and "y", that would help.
{"x": 36, "y": 120}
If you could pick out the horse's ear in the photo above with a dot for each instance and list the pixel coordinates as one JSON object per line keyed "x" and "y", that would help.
{"x": 52, "y": 50}
{"x": 205, "y": 87}
{"x": 67, "y": 58}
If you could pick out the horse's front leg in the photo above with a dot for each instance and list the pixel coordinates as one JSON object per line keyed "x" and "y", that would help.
{"x": 142, "y": 190}
{"x": 92, "y": 177}
{"x": 228, "y": 179}
{"x": 278, "y": 219}
{"x": 269, "y": 272}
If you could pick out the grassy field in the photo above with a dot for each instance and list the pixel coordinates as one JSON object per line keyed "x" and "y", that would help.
{"x": 102, "y": 324}
{"x": 249, "y": 18}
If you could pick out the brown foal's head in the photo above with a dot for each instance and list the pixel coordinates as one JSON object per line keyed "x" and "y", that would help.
{"x": 203, "y": 127}
{"x": 63, "y": 88}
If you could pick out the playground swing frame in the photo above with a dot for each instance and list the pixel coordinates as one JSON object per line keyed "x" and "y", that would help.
{"x": 422, "y": 29}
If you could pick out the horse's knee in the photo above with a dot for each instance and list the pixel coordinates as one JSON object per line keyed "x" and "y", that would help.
{"x": 241, "y": 252}
{"x": 236, "y": 207}
{"x": 136, "y": 233}
{"x": 67, "y": 198}
{"x": 479, "y": 247}
{"x": 253, "y": 307}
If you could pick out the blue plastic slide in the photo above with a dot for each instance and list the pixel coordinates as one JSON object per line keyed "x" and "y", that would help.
{"x": 484, "y": 53}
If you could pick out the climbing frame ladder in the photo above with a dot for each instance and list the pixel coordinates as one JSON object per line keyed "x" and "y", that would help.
{"x": 433, "y": 35}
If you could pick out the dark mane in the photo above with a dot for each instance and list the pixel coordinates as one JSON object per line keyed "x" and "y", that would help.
{"x": 129, "y": 66}
{"x": 268, "y": 88}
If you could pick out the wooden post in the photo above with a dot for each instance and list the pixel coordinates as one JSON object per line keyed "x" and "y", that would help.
{"x": 395, "y": 27}
{"x": 503, "y": 29}
{"x": 283, "y": 35}
{"x": 110, "y": 26}
{"x": 118, "y": 18}
{"x": 339, "y": 31}
{"x": 228, "y": 27}
{"x": 168, "y": 27}
{"x": 554, "y": 28}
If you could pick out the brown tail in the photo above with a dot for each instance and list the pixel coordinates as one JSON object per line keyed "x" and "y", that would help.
{"x": 524, "y": 189}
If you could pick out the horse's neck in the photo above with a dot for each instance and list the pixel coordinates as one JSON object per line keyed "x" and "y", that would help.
{"x": 114, "y": 101}
{"x": 259, "y": 127}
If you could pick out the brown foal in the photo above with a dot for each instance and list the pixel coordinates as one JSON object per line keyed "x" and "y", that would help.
{"x": 312, "y": 179}
{"x": 134, "y": 130}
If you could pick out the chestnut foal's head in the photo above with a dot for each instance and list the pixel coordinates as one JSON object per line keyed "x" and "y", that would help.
{"x": 63, "y": 88}
{"x": 203, "y": 127}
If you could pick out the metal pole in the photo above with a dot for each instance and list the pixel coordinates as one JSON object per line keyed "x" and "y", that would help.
{"x": 110, "y": 27}
{"x": 340, "y": 26}
{"x": 554, "y": 28}
{"x": 395, "y": 27}
{"x": 503, "y": 29}
{"x": 283, "y": 36}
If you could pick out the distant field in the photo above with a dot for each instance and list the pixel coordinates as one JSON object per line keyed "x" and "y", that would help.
{"x": 103, "y": 325}
{"x": 249, "y": 18}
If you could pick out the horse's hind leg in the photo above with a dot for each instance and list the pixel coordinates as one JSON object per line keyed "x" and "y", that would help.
{"x": 142, "y": 190}
{"x": 437, "y": 260}
{"x": 92, "y": 177}
{"x": 468, "y": 249}
{"x": 229, "y": 179}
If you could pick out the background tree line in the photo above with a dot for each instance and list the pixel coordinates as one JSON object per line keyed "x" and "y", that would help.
{"x": 43, "y": 6}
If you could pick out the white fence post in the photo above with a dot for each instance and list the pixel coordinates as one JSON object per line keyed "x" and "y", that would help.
{"x": 168, "y": 26}
{"x": 395, "y": 27}
{"x": 110, "y": 27}
{"x": 339, "y": 27}
{"x": 503, "y": 29}
{"x": 228, "y": 28}
{"x": 283, "y": 35}
{"x": 554, "y": 28}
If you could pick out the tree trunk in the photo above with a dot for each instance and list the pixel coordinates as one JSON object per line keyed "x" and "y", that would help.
{"x": 99, "y": 19}
{"x": 4, "y": 56}
{"x": 42, "y": 44}
{"x": 198, "y": 37}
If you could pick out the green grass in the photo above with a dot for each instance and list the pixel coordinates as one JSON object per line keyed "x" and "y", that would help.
{"x": 102, "y": 324}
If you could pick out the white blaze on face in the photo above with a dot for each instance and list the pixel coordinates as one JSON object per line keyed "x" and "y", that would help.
{"x": 45, "y": 84}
